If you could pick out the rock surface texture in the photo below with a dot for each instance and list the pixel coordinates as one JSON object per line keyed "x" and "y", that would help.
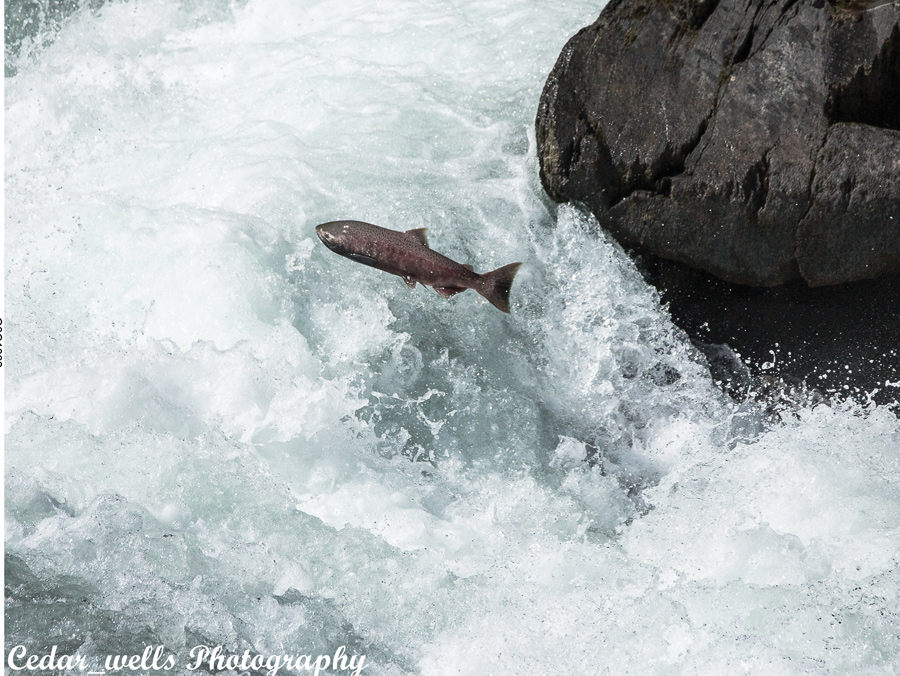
{"x": 758, "y": 140}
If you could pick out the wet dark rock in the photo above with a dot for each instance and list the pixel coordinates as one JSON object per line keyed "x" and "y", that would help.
{"x": 747, "y": 153}
{"x": 756, "y": 140}
{"x": 791, "y": 341}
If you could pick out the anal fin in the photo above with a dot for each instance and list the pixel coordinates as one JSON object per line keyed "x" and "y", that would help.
{"x": 448, "y": 291}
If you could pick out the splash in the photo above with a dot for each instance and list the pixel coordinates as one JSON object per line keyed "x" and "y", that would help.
{"x": 217, "y": 435}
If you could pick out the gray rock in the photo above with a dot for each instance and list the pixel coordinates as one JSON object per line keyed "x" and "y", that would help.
{"x": 759, "y": 141}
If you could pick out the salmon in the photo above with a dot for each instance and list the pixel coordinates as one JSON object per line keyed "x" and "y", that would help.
{"x": 407, "y": 255}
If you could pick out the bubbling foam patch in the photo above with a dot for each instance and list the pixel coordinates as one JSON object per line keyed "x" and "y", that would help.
{"x": 220, "y": 433}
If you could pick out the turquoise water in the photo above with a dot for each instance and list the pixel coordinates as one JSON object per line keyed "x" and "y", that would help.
{"x": 220, "y": 433}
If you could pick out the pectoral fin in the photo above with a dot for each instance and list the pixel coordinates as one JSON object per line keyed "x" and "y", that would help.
{"x": 469, "y": 267}
{"x": 448, "y": 291}
{"x": 420, "y": 234}
{"x": 362, "y": 258}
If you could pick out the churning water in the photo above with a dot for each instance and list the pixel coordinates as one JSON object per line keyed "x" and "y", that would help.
{"x": 220, "y": 433}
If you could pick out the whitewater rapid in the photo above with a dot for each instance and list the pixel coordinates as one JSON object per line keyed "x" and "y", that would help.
{"x": 219, "y": 433}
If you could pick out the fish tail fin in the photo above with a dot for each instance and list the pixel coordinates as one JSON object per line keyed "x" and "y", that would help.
{"x": 495, "y": 285}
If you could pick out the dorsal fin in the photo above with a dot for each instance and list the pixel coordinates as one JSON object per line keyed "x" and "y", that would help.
{"x": 420, "y": 234}
{"x": 469, "y": 267}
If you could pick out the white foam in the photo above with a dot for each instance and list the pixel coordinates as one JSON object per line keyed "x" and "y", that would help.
{"x": 218, "y": 430}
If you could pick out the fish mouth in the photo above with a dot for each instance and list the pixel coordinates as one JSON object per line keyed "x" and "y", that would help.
{"x": 331, "y": 240}
{"x": 326, "y": 237}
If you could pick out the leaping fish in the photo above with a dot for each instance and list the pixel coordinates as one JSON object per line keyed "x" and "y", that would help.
{"x": 407, "y": 255}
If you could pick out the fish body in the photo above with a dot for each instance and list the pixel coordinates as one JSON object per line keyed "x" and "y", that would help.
{"x": 407, "y": 255}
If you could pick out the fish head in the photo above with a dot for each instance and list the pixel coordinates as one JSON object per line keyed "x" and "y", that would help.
{"x": 335, "y": 235}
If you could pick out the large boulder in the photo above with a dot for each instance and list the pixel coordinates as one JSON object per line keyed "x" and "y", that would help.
{"x": 756, "y": 140}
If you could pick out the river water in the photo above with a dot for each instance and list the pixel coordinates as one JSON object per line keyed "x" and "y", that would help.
{"x": 219, "y": 433}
